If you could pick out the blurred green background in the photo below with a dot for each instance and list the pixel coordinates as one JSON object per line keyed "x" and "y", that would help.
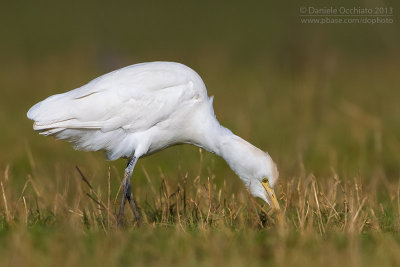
{"x": 318, "y": 98}
{"x": 321, "y": 99}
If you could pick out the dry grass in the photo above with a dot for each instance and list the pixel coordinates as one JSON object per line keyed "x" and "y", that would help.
{"x": 331, "y": 221}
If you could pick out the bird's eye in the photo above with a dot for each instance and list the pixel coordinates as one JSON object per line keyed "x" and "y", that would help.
{"x": 265, "y": 180}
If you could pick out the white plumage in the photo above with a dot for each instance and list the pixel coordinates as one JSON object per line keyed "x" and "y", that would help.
{"x": 143, "y": 108}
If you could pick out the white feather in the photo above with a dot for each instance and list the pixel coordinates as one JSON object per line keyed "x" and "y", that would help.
{"x": 143, "y": 108}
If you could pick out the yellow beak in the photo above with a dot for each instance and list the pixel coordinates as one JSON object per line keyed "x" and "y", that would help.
{"x": 273, "y": 201}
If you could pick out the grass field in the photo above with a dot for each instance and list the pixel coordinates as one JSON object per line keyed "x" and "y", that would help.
{"x": 323, "y": 100}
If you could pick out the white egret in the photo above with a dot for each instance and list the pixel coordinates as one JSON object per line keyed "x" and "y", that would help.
{"x": 141, "y": 109}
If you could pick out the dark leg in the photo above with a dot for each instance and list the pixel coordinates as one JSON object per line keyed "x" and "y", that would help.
{"x": 127, "y": 193}
{"x": 132, "y": 203}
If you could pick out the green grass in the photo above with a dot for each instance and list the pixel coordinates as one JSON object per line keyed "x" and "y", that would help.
{"x": 195, "y": 222}
{"x": 321, "y": 99}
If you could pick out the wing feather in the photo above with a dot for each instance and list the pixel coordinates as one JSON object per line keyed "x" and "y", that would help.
{"x": 133, "y": 99}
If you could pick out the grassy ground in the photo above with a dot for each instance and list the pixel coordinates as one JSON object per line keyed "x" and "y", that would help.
{"x": 321, "y": 99}
{"x": 59, "y": 219}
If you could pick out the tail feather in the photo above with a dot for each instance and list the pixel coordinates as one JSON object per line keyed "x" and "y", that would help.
{"x": 47, "y": 112}
{"x": 36, "y": 112}
{"x": 51, "y": 131}
{"x": 56, "y": 113}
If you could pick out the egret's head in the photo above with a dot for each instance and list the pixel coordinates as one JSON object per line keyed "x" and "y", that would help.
{"x": 264, "y": 179}
{"x": 254, "y": 166}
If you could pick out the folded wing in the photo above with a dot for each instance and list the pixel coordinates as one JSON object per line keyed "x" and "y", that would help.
{"x": 126, "y": 101}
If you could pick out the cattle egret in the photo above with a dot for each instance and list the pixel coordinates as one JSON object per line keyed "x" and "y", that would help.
{"x": 141, "y": 109}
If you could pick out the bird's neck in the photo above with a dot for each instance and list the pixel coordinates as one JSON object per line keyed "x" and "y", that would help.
{"x": 240, "y": 155}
